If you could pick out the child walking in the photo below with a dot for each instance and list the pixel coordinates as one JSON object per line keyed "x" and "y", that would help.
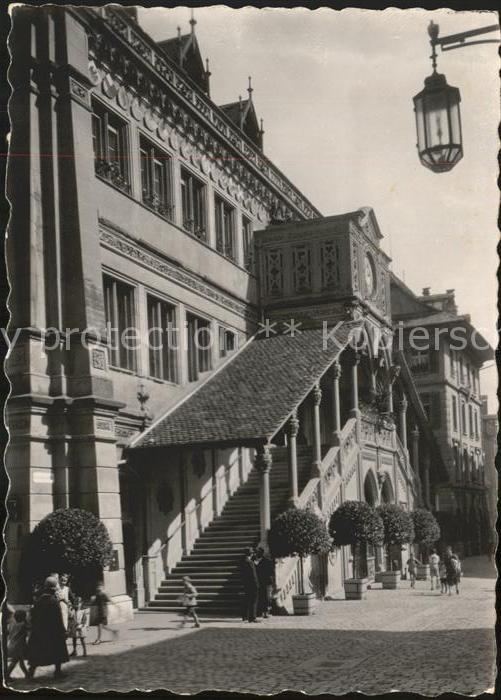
{"x": 17, "y": 642}
{"x": 412, "y": 565}
{"x": 189, "y": 600}
{"x": 101, "y": 601}
{"x": 78, "y": 626}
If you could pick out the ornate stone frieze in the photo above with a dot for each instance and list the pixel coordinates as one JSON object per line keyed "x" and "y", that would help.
{"x": 132, "y": 250}
{"x": 109, "y": 56}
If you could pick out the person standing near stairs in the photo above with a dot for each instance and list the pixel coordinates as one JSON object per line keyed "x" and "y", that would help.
{"x": 250, "y": 585}
{"x": 264, "y": 569}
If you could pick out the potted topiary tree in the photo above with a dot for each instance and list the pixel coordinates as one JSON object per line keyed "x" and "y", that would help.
{"x": 398, "y": 530}
{"x": 426, "y": 533}
{"x": 356, "y": 523}
{"x": 299, "y": 532}
{"x": 72, "y": 541}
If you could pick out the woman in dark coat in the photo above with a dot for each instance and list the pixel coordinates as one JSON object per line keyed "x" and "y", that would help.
{"x": 47, "y": 643}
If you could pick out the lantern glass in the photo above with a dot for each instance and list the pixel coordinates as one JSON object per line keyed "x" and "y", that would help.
{"x": 438, "y": 124}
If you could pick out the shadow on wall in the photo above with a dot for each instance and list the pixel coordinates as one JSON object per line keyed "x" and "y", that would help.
{"x": 264, "y": 660}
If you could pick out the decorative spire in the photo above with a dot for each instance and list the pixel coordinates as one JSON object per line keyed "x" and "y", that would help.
{"x": 261, "y": 134}
{"x": 250, "y": 89}
{"x": 193, "y": 21}
{"x": 179, "y": 47}
{"x": 207, "y": 77}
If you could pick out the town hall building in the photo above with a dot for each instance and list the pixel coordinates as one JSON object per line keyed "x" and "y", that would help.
{"x": 195, "y": 347}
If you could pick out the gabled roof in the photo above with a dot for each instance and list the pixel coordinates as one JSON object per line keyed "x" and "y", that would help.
{"x": 251, "y": 397}
{"x": 243, "y": 114}
{"x": 185, "y": 52}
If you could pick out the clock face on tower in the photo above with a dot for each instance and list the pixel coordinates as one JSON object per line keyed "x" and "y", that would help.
{"x": 369, "y": 275}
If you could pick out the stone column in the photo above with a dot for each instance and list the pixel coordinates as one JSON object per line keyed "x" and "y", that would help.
{"x": 317, "y": 435}
{"x": 336, "y": 406}
{"x": 354, "y": 359}
{"x": 402, "y": 410}
{"x": 415, "y": 448}
{"x": 293, "y": 429}
{"x": 426, "y": 479}
{"x": 263, "y": 462}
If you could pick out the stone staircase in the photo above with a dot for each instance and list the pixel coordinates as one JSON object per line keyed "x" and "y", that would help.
{"x": 213, "y": 562}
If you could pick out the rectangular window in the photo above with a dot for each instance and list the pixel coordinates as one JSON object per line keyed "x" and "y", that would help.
{"x": 247, "y": 241}
{"x": 423, "y": 361}
{"x": 431, "y": 405}
{"x": 227, "y": 342}
{"x": 454, "y": 413}
{"x": 193, "y": 204}
{"x": 162, "y": 340}
{"x": 470, "y": 415}
{"x": 461, "y": 370}
{"x": 475, "y": 413}
{"x": 156, "y": 182}
{"x": 198, "y": 346}
{"x": 109, "y": 141}
{"x": 463, "y": 418}
{"x": 121, "y": 322}
{"x": 225, "y": 225}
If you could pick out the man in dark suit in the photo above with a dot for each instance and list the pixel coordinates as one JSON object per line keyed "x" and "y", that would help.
{"x": 250, "y": 585}
{"x": 265, "y": 576}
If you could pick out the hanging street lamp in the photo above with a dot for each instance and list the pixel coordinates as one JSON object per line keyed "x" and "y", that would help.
{"x": 438, "y": 118}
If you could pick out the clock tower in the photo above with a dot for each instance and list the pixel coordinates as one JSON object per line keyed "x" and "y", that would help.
{"x": 325, "y": 270}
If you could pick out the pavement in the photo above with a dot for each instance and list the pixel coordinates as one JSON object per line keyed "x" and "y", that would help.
{"x": 407, "y": 640}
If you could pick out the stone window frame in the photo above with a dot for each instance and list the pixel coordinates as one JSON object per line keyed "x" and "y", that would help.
{"x": 226, "y": 237}
{"x": 166, "y": 358}
{"x": 162, "y": 203}
{"x": 104, "y": 118}
{"x": 123, "y": 359}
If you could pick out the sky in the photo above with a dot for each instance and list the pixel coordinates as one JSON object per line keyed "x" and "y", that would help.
{"x": 335, "y": 90}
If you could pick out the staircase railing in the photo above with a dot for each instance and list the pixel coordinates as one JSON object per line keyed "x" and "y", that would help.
{"x": 322, "y": 493}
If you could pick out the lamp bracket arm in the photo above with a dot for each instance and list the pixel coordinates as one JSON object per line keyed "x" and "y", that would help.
{"x": 459, "y": 39}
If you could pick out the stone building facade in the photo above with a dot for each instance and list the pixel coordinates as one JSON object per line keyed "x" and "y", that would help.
{"x": 156, "y": 258}
{"x": 490, "y": 428}
{"x": 445, "y": 359}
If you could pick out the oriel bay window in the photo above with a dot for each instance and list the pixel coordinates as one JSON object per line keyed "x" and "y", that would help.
{"x": 120, "y": 323}
{"x": 156, "y": 179}
{"x": 193, "y": 204}
{"x": 199, "y": 344}
{"x": 225, "y": 227}
{"x": 162, "y": 340}
{"x": 109, "y": 140}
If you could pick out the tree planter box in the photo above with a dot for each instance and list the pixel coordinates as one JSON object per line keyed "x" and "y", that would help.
{"x": 355, "y": 588}
{"x": 390, "y": 579}
{"x": 422, "y": 572}
{"x": 303, "y": 604}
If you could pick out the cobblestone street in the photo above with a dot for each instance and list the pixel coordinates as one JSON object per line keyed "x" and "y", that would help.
{"x": 408, "y": 640}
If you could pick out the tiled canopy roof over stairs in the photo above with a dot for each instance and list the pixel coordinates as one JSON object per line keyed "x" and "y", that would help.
{"x": 251, "y": 397}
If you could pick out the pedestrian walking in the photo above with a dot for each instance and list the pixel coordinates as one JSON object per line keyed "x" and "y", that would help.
{"x": 265, "y": 576}
{"x": 434, "y": 562}
{"x": 64, "y": 596}
{"x": 453, "y": 568}
{"x": 47, "y": 642}
{"x": 17, "y": 642}
{"x": 443, "y": 577}
{"x": 100, "y": 602}
{"x": 77, "y": 627}
{"x": 412, "y": 564}
{"x": 250, "y": 586}
{"x": 189, "y": 600}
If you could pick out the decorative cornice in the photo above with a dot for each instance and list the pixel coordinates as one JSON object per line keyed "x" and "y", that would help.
{"x": 127, "y": 247}
{"x": 237, "y": 156}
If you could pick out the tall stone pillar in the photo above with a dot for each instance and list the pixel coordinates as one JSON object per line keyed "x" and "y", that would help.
{"x": 336, "y": 406}
{"x": 263, "y": 462}
{"x": 317, "y": 433}
{"x": 415, "y": 448}
{"x": 293, "y": 429}
{"x": 426, "y": 479}
{"x": 354, "y": 361}
{"x": 402, "y": 412}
